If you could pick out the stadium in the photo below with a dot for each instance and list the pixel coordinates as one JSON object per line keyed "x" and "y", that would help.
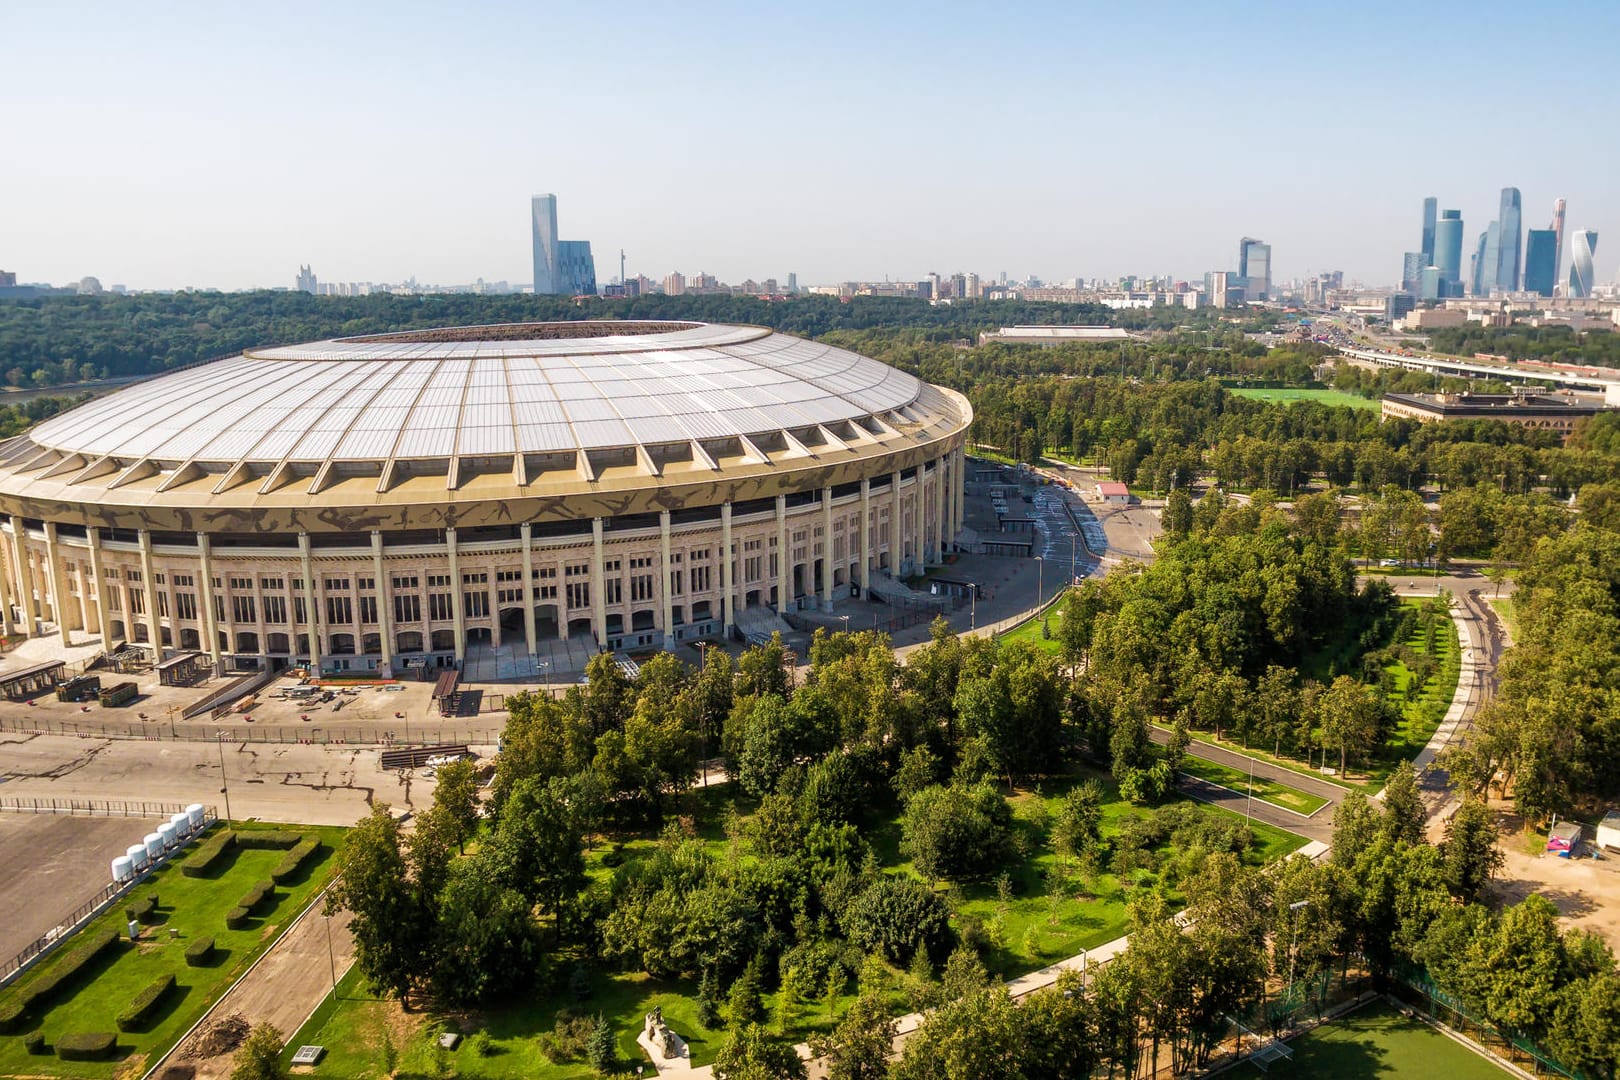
{"x": 378, "y": 502}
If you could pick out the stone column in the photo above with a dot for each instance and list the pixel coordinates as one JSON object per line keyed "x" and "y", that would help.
{"x": 826, "y": 550}
{"x": 385, "y": 609}
{"x": 7, "y": 626}
{"x": 961, "y": 490}
{"x": 940, "y": 532}
{"x": 527, "y": 533}
{"x": 866, "y": 536}
{"x": 598, "y": 585}
{"x": 897, "y": 543}
{"x": 311, "y": 615}
{"x": 917, "y": 529}
{"x": 84, "y": 595}
{"x": 149, "y": 587}
{"x": 666, "y": 614}
{"x": 784, "y": 558}
{"x": 25, "y": 578}
{"x": 457, "y": 616}
{"x": 93, "y": 535}
{"x": 727, "y": 615}
{"x": 205, "y": 594}
{"x": 59, "y": 608}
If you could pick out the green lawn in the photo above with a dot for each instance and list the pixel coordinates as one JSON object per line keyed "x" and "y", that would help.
{"x": 1508, "y": 614}
{"x": 1279, "y": 795}
{"x": 1422, "y": 707}
{"x": 196, "y": 907}
{"x": 1289, "y": 395}
{"x": 1030, "y": 630}
{"x": 1377, "y": 1041}
{"x": 1045, "y": 916}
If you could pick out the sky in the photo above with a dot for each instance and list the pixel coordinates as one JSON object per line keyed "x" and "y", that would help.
{"x": 166, "y": 145}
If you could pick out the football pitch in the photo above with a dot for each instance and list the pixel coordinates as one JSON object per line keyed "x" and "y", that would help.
{"x": 1287, "y": 396}
{"x": 1377, "y": 1041}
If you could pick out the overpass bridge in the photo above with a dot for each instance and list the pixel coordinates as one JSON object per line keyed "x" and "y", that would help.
{"x": 1448, "y": 365}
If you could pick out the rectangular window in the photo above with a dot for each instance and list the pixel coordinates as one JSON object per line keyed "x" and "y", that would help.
{"x": 240, "y": 584}
{"x": 275, "y": 610}
{"x": 439, "y": 606}
{"x": 137, "y": 602}
{"x": 404, "y": 583}
{"x": 337, "y": 584}
{"x": 548, "y": 592}
{"x": 475, "y": 579}
{"x": 242, "y": 609}
{"x": 185, "y": 606}
{"x": 339, "y": 612}
{"x": 475, "y": 604}
{"x": 700, "y": 579}
{"x": 675, "y": 579}
{"x": 407, "y": 608}
{"x": 134, "y": 577}
{"x": 219, "y": 607}
{"x": 511, "y": 596}
{"x": 364, "y": 583}
{"x": 641, "y": 588}
{"x": 300, "y": 612}
{"x": 114, "y": 600}
{"x": 509, "y": 575}
{"x": 272, "y": 584}
{"x": 163, "y": 605}
{"x": 184, "y": 580}
{"x": 751, "y": 569}
{"x": 579, "y": 594}
{"x": 438, "y": 581}
{"x": 368, "y": 609}
{"x": 613, "y": 590}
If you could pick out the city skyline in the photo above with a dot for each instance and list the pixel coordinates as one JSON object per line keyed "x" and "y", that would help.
{"x": 779, "y": 109}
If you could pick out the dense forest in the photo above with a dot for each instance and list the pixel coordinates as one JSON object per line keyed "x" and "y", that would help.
{"x": 54, "y": 340}
{"x": 1558, "y": 344}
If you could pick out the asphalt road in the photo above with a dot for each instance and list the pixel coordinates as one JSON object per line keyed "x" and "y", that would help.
{"x": 1318, "y": 826}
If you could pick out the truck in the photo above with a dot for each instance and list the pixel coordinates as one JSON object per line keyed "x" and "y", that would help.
{"x": 118, "y": 694}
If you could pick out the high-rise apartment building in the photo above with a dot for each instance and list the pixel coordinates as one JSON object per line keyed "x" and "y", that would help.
{"x": 674, "y": 284}
{"x": 1509, "y": 237}
{"x": 1558, "y": 229}
{"x": 793, "y": 283}
{"x": 1448, "y": 238}
{"x": 1582, "y": 246}
{"x": 1429, "y": 206}
{"x": 1540, "y": 261}
{"x": 1412, "y": 264}
{"x": 543, "y": 221}
{"x": 306, "y": 280}
{"x": 576, "y": 269}
{"x": 1254, "y": 268}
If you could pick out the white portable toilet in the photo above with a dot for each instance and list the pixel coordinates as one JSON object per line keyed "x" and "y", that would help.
{"x": 169, "y": 834}
{"x": 182, "y": 824}
{"x": 137, "y": 856}
{"x": 123, "y": 869}
{"x": 154, "y": 845}
{"x": 195, "y": 813}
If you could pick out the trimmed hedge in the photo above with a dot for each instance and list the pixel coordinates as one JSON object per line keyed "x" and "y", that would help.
{"x": 237, "y": 918}
{"x": 200, "y": 951}
{"x": 202, "y": 861}
{"x": 144, "y": 1005}
{"x": 256, "y": 896}
{"x": 34, "y": 1042}
{"x": 261, "y": 839}
{"x": 143, "y": 909}
{"x": 295, "y": 859}
{"x": 86, "y": 1046}
{"x": 42, "y": 989}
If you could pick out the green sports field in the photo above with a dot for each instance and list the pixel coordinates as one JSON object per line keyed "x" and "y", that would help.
{"x": 1379, "y": 1042}
{"x": 1288, "y": 396}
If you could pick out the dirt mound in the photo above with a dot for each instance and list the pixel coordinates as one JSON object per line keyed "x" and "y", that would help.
{"x": 217, "y": 1037}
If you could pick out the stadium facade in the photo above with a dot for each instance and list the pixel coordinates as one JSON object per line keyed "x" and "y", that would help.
{"x": 384, "y": 501}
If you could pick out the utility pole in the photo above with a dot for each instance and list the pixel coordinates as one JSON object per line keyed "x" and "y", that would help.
{"x": 621, "y": 266}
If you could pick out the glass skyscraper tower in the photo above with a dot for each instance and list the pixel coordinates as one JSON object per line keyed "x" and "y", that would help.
{"x": 1254, "y": 267}
{"x": 1508, "y": 236}
{"x": 1429, "y": 206}
{"x": 1448, "y": 238}
{"x": 1540, "y": 261}
{"x": 543, "y": 214}
{"x": 1582, "y": 246}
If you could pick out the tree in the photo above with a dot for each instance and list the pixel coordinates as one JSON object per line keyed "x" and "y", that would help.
{"x": 1469, "y": 853}
{"x": 260, "y": 1055}
{"x": 963, "y": 834}
{"x": 537, "y": 848}
{"x": 1514, "y": 973}
{"x": 457, "y": 792}
{"x": 486, "y": 945}
{"x": 1404, "y": 814}
{"x": 900, "y": 917}
{"x": 602, "y": 1048}
{"x": 860, "y": 1046}
{"x": 1352, "y": 718}
{"x": 745, "y": 1005}
{"x": 970, "y": 1038}
{"x": 1586, "y": 1033}
{"x": 389, "y": 917}
{"x": 1079, "y": 820}
{"x": 749, "y": 1054}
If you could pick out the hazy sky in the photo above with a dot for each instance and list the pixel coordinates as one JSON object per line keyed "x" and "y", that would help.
{"x": 161, "y": 145}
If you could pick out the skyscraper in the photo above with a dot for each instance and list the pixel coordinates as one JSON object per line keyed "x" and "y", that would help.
{"x": 1582, "y": 246}
{"x": 1429, "y": 206}
{"x": 1476, "y": 264}
{"x": 1508, "y": 239}
{"x": 1540, "y": 261}
{"x": 576, "y": 269}
{"x": 1448, "y": 238}
{"x": 1558, "y": 228}
{"x": 1412, "y": 265}
{"x": 1254, "y": 268}
{"x": 1490, "y": 266}
{"x": 543, "y": 213}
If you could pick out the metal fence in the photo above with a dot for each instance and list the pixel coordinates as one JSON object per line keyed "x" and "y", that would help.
{"x": 480, "y": 731}
{"x": 1414, "y": 987}
{"x": 109, "y": 895}
{"x": 22, "y": 804}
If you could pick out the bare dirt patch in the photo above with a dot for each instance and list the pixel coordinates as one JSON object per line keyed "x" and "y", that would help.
{"x": 1585, "y": 891}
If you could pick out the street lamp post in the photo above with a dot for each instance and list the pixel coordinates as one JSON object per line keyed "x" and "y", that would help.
{"x": 224, "y": 781}
{"x": 845, "y": 620}
{"x": 973, "y": 606}
{"x": 331, "y": 957}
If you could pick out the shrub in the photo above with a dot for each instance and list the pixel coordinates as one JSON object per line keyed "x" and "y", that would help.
{"x": 145, "y": 1003}
{"x": 566, "y": 1040}
{"x": 480, "y": 1045}
{"x": 11, "y": 1014}
{"x": 208, "y": 855}
{"x": 294, "y": 860}
{"x": 34, "y": 1042}
{"x": 86, "y": 1046}
{"x": 200, "y": 951}
{"x": 237, "y": 918}
{"x": 256, "y": 895}
{"x": 143, "y": 909}
{"x": 42, "y": 989}
{"x": 900, "y": 916}
{"x": 267, "y": 839}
